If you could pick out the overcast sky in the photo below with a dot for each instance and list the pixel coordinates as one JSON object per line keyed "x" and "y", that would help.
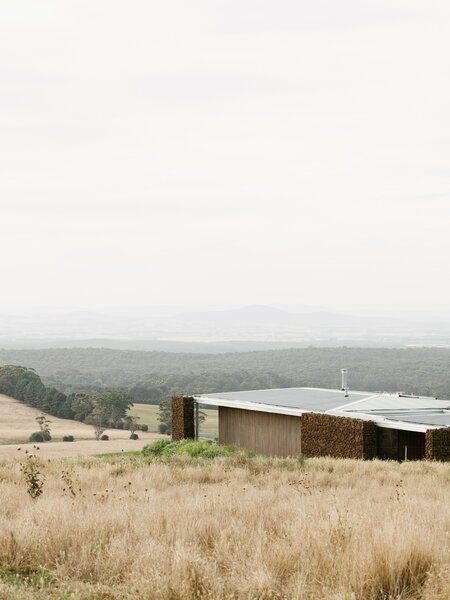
{"x": 225, "y": 151}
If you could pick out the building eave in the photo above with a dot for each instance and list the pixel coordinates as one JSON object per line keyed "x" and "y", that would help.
{"x": 268, "y": 408}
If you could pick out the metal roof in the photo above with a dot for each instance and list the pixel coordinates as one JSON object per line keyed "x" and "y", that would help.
{"x": 386, "y": 402}
{"x": 387, "y": 410}
{"x": 437, "y": 419}
{"x": 299, "y": 398}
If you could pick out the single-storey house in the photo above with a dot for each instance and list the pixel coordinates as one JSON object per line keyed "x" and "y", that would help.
{"x": 324, "y": 422}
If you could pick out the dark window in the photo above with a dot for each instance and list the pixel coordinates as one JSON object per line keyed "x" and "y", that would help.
{"x": 411, "y": 445}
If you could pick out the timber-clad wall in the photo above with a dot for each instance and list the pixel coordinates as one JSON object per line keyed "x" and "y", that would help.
{"x": 437, "y": 444}
{"x": 265, "y": 433}
{"x": 340, "y": 437}
{"x": 182, "y": 418}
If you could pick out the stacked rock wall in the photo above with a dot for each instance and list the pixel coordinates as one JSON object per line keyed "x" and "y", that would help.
{"x": 339, "y": 437}
{"x": 182, "y": 418}
{"x": 437, "y": 444}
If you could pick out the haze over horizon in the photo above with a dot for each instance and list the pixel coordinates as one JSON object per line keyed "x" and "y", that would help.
{"x": 225, "y": 154}
{"x": 243, "y": 328}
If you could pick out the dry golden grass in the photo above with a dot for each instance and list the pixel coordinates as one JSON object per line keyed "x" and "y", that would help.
{"x": 229, "y": 528}
{"x": 18, "y": 421}
{"x": 82, "y": 447}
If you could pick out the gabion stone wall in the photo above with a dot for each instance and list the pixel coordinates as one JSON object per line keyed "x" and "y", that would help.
{"x": 182, "y": 418}
{"x": 339, "y": 437}
{"x": 437, "y": 444}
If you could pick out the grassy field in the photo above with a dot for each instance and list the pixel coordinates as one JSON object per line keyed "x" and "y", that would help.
{"x": 80, "y": 447}
{"x": 18, "y": 421}
{"x": 148, "y": 414}
{"x": 127, "y": 527}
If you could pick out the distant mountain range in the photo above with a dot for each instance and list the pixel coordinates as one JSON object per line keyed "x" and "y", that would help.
{"x": 269, "y": 316}
{"x": 248, "y": 327}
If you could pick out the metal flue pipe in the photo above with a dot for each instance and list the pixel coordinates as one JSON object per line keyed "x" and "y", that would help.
{"x": 344, "y": 385}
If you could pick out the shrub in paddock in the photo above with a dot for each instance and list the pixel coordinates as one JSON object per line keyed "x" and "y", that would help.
{"x": 40, "y": 436}
{"x": 194, "y": 449}
{"x": 156, "y": 448}
{"x": 104, "y": 437}
{"x": 143, "y": 427}
{"x": 134, "y": 436}
{"x": 68, "y": 438}
{"x": 163, "y": 428}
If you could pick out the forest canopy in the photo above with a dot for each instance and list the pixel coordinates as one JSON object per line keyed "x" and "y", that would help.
{"x": 149, "y": 377}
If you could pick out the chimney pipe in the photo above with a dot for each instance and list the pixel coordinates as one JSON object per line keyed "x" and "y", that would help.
{"x": 344, "y": 386}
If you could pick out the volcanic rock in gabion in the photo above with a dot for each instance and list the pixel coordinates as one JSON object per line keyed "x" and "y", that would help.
{"x": 182, "y": 418}
{"x": 339, "y": 437}
{"x": 437, "y": 444}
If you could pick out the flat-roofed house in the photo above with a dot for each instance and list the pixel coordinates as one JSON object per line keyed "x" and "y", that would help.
{"x": 323, "y": 422}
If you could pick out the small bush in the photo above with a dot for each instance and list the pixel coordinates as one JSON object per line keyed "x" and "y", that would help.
{"x": 40, "y": 436}
{"x": 68, "y": 438}
{"x": 193, "y": 448}
{"x": 143, "y": 427}
{"x": 163, "y": 428}
{"x": 156, "y": 448}
{"x": 134, "y": 436}
{"x": 104, "y": 437}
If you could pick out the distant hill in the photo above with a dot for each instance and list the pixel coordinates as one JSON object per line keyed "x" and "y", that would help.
{"x": 267, "y": 315}
{"x": 254, "y": 324}
{"x": 248, "y": 315}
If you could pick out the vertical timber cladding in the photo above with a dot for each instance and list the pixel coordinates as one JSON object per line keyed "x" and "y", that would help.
{"x": 182, "y": 418}
{"x": 437, "y": 444}
{"x": 339, "y": 437}
{"x": 266, "y": 433}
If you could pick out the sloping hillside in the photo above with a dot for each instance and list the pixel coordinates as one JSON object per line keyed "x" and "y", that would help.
{"x": 18, "y": 421}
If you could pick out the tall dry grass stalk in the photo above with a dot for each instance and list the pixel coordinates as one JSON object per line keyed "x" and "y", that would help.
{"x": 232, "y": 528}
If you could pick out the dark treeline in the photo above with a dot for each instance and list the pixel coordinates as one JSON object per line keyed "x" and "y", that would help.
{"x": 25, "y": 384}
{"x": 104, "y": 409}
{"x": 152, "y": 376}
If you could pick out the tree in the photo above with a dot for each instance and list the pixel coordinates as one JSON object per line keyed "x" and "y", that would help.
{"x": 34, "y": 392}
{"x": 53, "y": 401}
{"x": 98, "y": 420}
{"x": 131, "y": 423}
{"x": 165, "y": 416}
{"x": 82, "y": 406}
{"x": 108, "y": 409}
{"x": 114, "y": 405}
{"x": 44, "y": 426}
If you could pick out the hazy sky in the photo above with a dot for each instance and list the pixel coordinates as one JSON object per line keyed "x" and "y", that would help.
{"x": 225, "y": 151}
